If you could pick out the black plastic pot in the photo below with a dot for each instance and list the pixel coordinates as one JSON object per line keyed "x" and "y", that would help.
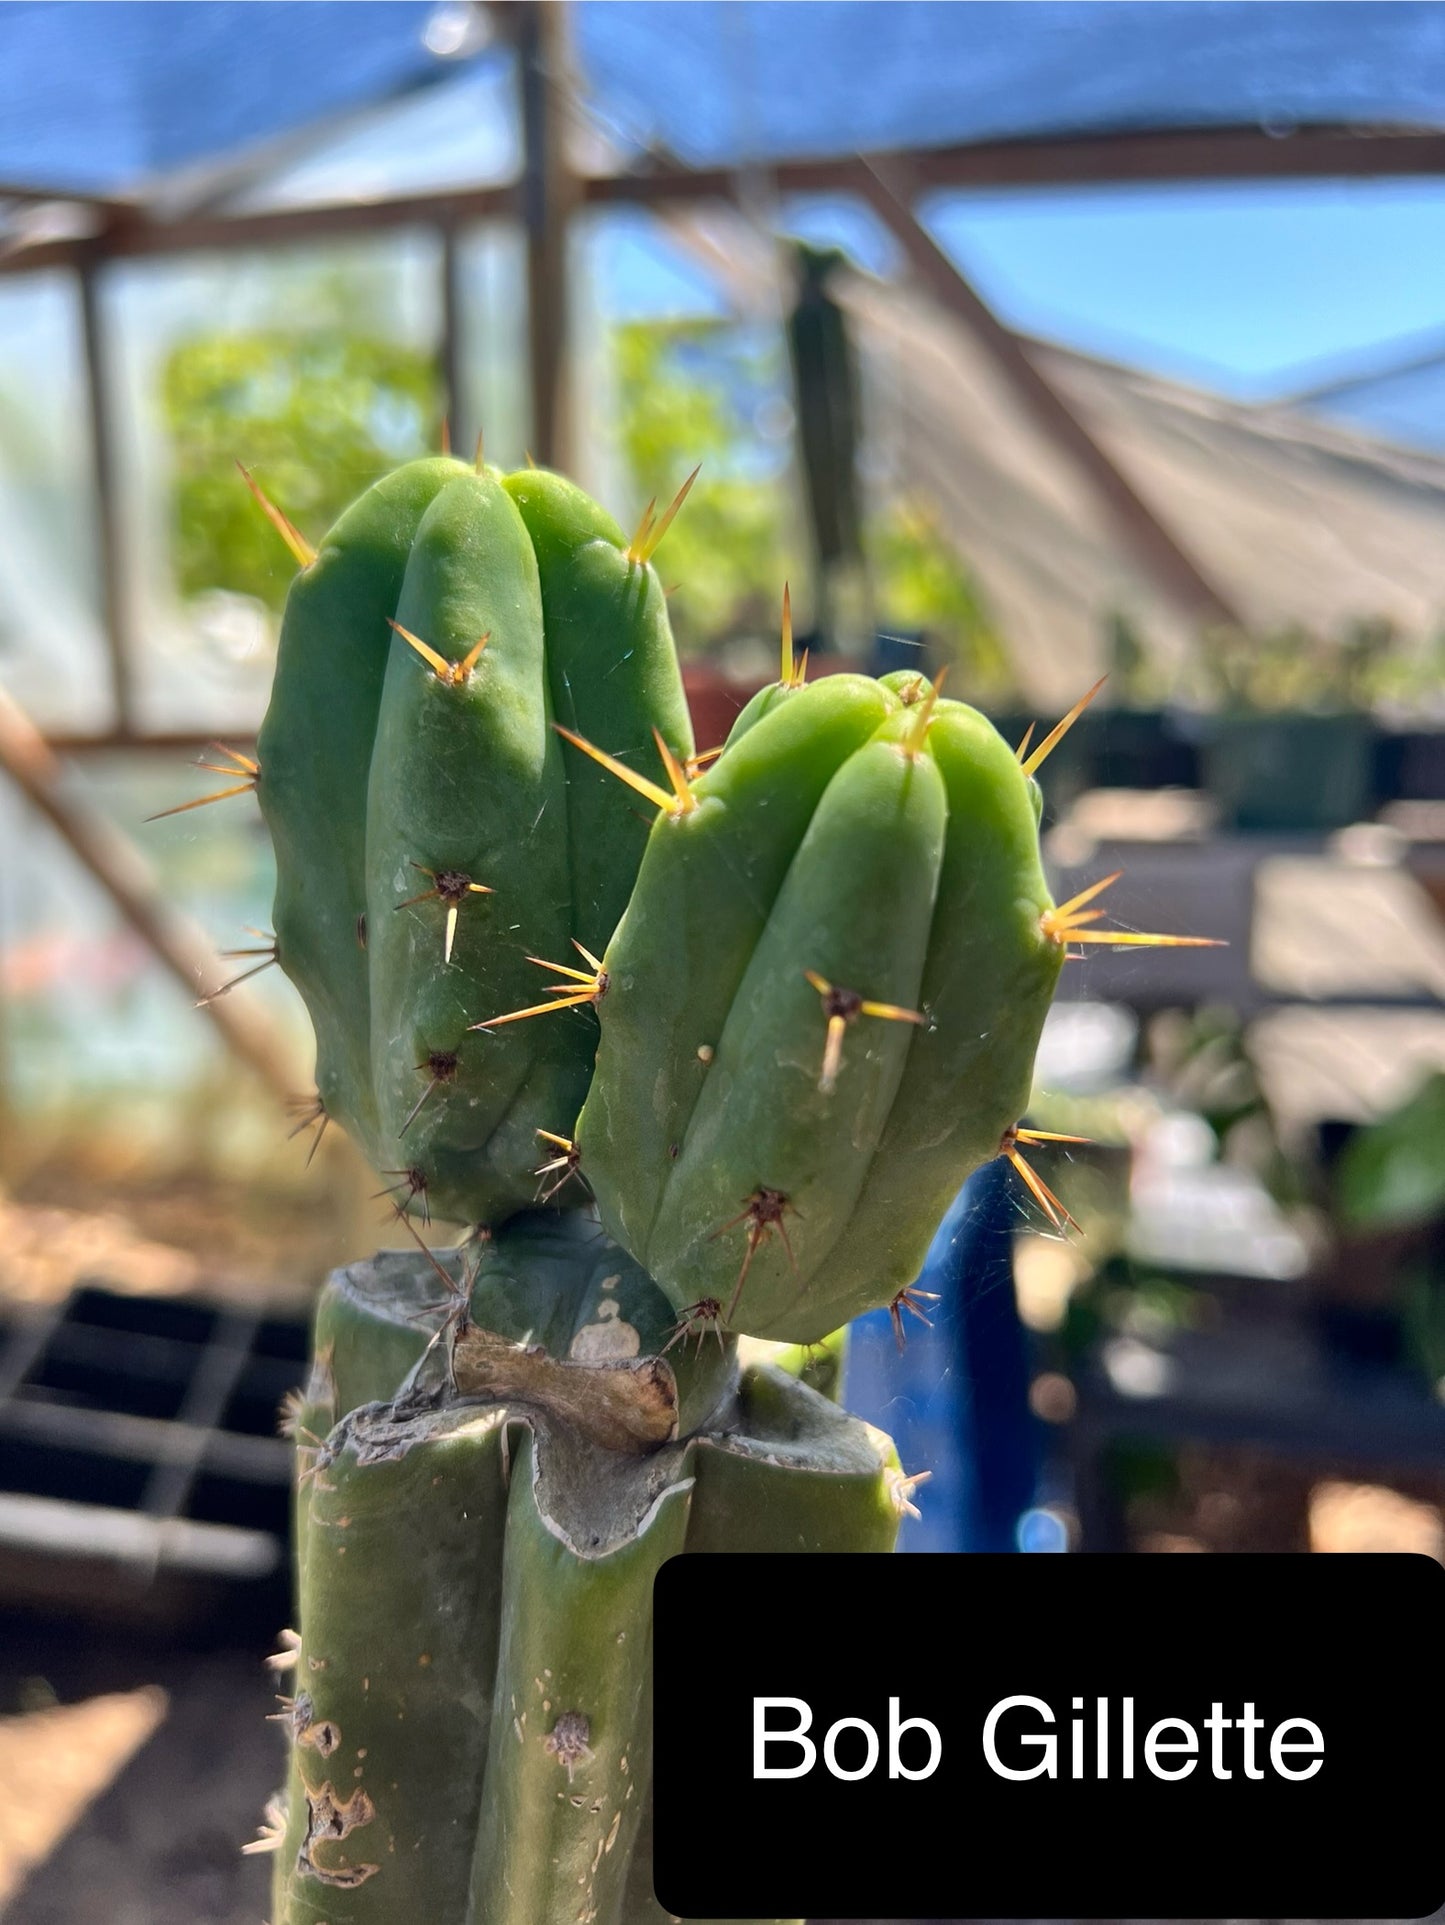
{"x": 1287, "y": 773}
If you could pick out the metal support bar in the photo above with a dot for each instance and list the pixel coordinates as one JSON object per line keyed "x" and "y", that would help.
{"x": 120, "y": 869}
{"x": 1325, "y": 152}
{"x": 453, "y": 375}
{"x": 1174, "y": 572}
{"x": 115, "y": 611}
{"x": 548, "y": 195}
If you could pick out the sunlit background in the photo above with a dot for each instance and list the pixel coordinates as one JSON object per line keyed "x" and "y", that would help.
{"x": 1036, "y": 343}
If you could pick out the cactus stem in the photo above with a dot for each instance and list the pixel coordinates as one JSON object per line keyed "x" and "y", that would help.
{"x": 913, "y": 1301}
{"x": 302, "y": 551}
{"x": 452, "y": 674}
{"x": 1056, "y": 735}
{"x": 442, "y": 1065}
{"x": 1065, "y": 925}
{"x": 242, "y": 765}
{"x": 452, "y": 887}
{"x": 763, "y": 1212}
{"x": 913, "y": 743}
{"x": 694, "y": 1321}
{"x": 311, "y": 1110}
{"x": 410, "y": 1185}
{"x": 845, "y": 1006}
{"x": 563, "y": 1167}
{"x": 681, "y": 802}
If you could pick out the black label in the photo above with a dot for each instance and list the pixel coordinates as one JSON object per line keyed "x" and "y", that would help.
{"x": 1175, "y": 1737}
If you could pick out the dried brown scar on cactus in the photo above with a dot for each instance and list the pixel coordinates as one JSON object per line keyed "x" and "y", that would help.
{"x": 301, "y": 550}
{"x": 1056, "y": 734}
{"x": 696, "y": 1320}
{"x": 330, "y": 1818}
{"x": 409, "y": 1186}
{"x": 299, "y": 1714}
{"x": 562, "y": 1167}
{"x": 310, "y": 1111}
{"x": 845, "y": 1006}
{"x": 680, "y": 801}
{"x": 567, "y": 1741}
{"x": 793, "y": 669}
{"x": 440, "y": 1066}
{"x": 1068, "y": 924}
{"x": 649, "y": 534}
{"x": 242, "y": 765}
{"x": 451, "y": 886}
{"x": 270, "y": 953}
{"x": 763, "y": 1212}
{"x": 1008, "y": 1148}
{"x": 580, "y": 987}
{"x": 913, "y": 1301}
{"x": 450, "y": 674}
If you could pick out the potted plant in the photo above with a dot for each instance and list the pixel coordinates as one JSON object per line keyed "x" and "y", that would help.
{"x": 700, "y": 1047}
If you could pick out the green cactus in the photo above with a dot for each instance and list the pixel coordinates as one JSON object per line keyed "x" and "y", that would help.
{"x": 813, "y": 987}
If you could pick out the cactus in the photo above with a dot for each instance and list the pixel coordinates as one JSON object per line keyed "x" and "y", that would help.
{"x": 789, "y": 997}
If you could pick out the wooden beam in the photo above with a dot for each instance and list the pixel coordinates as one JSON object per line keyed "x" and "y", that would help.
{"x": 136, "y": 234}
{"x": 452, "y": 368}
{"x": 1168, "y": 565}
{"x": 108, "y": 855}
{"x": 548, "y": 196}
{"x": 105, "y": 502}
{"x": 1165, "y": 157}
{"x": 135, "y": 741}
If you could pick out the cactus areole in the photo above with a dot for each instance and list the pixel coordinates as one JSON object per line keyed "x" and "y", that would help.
{"x": 701, "y": 1047}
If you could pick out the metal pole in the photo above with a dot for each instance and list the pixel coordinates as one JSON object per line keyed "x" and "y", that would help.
{"x": 548, "y": 194}
{"x": 115, "y": 612}
{"x": 120, "y": 869}
{"x": 452, "y": 359}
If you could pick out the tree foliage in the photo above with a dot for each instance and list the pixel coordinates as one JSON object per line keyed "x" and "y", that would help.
{"x": 315, "y": 415}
